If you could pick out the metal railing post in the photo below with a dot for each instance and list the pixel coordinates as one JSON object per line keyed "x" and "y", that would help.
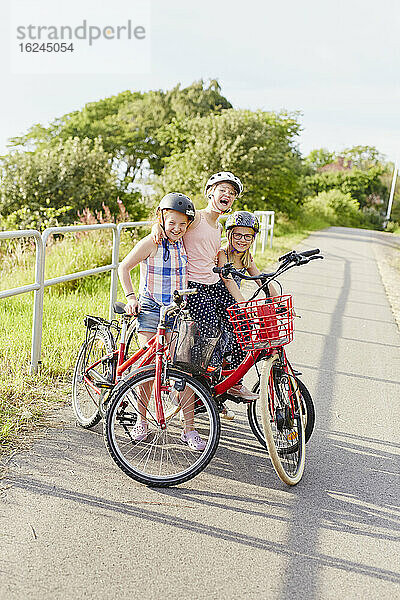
{"x": 264, "y": 232}
{"x": 37, "y": 321}
{"x": 114, "y": 271}
{"x": 272, "y": 229}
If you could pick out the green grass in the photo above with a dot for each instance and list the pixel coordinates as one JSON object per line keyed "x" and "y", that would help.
{"x": 25, "y": 401}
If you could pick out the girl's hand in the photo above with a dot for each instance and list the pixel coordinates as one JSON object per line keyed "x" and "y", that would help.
{"x": 157, "y": 234}
{"x": 132, "y": 305}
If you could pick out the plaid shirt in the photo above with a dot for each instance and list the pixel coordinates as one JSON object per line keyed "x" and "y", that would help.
{"x": 164, "y": 273}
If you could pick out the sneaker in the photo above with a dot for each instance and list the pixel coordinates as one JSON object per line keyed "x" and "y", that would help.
{"x": 227, "y": 414}
{"x": 140, "y": 431}
{"x": 240, "y": 391}
{"x": 193, "y": 440}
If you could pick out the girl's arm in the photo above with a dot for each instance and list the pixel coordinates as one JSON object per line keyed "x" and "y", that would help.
{"x": 157, "y": 233}
{"x": 140, "y": 252}
{"x": 253, "y": 271}
{"x": 230, "y": 283}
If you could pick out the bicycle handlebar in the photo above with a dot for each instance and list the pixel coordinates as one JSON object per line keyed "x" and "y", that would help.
{"x": 296, "y": 256}
{"x": 289, "y": 260}
{"x": 310, "y": 252}
{"x": 181, "y": 293}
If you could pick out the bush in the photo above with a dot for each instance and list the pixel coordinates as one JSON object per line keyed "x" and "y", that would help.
{"x": 355, "y": 182}
{"x": 335, "y": 207}
{"x": 393, "y": 227}
{"x": 373, "y": 217}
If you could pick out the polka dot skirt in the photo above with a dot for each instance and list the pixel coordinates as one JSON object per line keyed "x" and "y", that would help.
{"x": 208, "y": 309}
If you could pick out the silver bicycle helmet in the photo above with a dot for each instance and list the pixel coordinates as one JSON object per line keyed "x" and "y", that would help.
{"x": 223, "y": 176}
{"x": 242, "y": 218}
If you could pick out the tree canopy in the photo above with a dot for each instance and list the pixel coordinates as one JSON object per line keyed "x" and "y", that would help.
{"x": 159, "y": 141}
{"x": 65, "y": 177}
{"x": 259, "y": 147}
{"x": 127, "y": 124}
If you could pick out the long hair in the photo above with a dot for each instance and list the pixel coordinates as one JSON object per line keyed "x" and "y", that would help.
{"x": 246, "y": 257}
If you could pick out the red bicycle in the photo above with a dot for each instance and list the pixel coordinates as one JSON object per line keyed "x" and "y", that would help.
{"x": 181, "y": 384}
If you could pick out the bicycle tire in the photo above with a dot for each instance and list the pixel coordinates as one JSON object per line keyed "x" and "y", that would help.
{"x": 132, "y": 340}
{"x": 161, "y": 459}
{"x": 86, "y": 403}
{"x": 283, "y": 422}
{"x": 254, "y": 415}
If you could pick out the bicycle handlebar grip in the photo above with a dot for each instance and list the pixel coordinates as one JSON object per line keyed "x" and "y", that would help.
{"x": 310, "y": 252}
{"x": 287, "y": 255}
{"x": 181, "y": 293}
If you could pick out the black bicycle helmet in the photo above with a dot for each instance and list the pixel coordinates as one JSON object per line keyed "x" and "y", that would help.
{"x": 224, "y": 176}
{"x": 180, "y": 203}
{"x": 242, "y": 218}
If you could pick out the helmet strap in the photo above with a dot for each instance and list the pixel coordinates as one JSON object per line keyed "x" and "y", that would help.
{"x": 215, "y": 208}
{"x": 162, "y": 225}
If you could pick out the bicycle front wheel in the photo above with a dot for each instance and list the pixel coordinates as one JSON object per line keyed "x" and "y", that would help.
{"x": 161, "y": 458}
{"x": 283, "y": 422}
{"x": 86, "y": 399}
{"x": 255, "y": 419}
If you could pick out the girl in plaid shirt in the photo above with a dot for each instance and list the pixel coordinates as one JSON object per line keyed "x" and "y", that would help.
{"x": 163, "y": 269}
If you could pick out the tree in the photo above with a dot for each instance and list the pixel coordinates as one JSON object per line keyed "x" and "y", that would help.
{"x": 319, "y": 158}
{"x": 363, "y": 157}
{"x": 361, "y": 185}
{"x": 65, "y": 177}
{"x": 259, "y": 147}
{"x": 127, "y": 124}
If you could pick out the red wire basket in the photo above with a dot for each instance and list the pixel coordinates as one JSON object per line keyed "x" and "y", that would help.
{"x": 263, "y": 323}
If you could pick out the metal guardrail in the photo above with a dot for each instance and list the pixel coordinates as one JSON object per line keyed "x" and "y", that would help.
{"x": 41, "y": 283}
{"x": 267, "y": 221}
{"x": 267, "y": 224}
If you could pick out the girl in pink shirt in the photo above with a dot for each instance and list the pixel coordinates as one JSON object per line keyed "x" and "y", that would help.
{"x": 202, "y": 243}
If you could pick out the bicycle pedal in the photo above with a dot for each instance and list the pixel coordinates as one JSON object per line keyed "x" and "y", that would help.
{"x": 104, "y": 385}
{"x": 237, "y": 399}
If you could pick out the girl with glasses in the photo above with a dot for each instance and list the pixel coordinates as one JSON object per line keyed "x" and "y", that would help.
{"x": 241, "y": 229}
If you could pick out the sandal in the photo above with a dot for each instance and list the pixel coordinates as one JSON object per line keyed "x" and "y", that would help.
{"x": 193, "y": 440}
{"x": 140, "y": 431}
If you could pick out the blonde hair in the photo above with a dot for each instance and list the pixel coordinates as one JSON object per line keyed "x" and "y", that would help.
{"x": 246, "y": 257}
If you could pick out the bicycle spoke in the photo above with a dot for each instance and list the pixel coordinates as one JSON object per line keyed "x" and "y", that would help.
{"x": 161, "y": 457}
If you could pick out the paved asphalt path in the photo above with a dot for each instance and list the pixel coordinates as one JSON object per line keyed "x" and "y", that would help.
{"x": 74, "y": 526}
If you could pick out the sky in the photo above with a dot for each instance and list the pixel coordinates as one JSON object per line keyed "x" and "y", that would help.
{"x": 336, "y": 62}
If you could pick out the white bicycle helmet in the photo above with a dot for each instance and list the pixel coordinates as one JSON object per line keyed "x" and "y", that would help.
{"x": 224, "y": 176}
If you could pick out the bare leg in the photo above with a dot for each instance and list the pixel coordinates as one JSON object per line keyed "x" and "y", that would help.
{"x": 146, "y": 388}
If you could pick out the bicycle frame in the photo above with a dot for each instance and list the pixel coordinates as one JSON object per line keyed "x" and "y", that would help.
{"x": 152, "y": 351}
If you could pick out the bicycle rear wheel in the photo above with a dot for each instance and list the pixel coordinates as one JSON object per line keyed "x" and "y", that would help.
{"x": 160, "y": 459}
{"x": 283, "y": 422}
{"x": 86, "y": 401}
{"x": 132, "y": 340}
{"x": 255, "y": 419}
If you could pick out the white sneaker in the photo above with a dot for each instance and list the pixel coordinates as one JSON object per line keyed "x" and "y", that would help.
{"x": 227, "y": 414}
{"x": 240, "y": 391}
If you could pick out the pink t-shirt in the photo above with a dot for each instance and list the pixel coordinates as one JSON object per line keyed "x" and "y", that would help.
{"x": 202, "y": 244}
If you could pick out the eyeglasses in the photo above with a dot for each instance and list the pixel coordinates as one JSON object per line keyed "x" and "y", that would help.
{"x": 246, "y": 236}
{"x": 227, "y": 191}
